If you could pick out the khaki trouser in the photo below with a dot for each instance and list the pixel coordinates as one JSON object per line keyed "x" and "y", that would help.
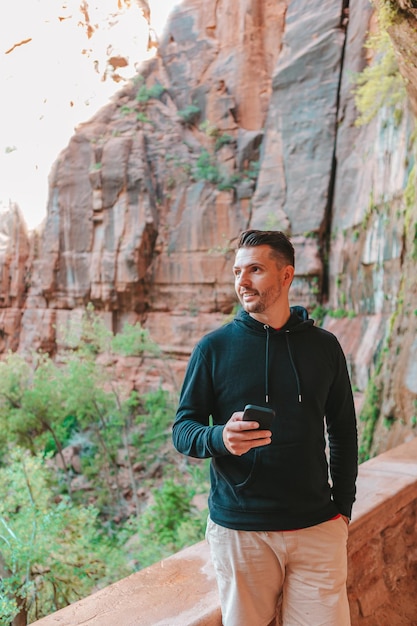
{"x": 304, "y": 570}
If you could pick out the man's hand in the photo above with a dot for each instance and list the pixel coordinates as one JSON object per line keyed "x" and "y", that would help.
{"x": 240, "y": 436}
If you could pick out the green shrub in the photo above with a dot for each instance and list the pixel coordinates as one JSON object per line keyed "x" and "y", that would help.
{"x": 134, "y": 341}
{"x": 144, "y": 93}
{"x": 223, "y": 140}
{"x": 170, "y": 523}
{"x": 190, "y": 113}
{"x": 207, "y": 168}
{"x": 318, "y": 314}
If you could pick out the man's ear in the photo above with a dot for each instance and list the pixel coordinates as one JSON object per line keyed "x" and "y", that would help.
{"x": 288, "y": 275}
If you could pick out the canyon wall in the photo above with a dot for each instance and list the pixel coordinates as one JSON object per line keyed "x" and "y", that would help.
{"x": 245, "y": 118}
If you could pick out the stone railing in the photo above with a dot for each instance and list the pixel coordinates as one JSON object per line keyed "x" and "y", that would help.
{"x": 181, "y": 590}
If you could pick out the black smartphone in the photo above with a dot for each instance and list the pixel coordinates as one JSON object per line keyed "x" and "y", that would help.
{"x": 260, "y": 414}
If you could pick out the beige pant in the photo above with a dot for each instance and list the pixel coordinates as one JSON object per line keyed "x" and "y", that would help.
{"x": 304, "y": 569}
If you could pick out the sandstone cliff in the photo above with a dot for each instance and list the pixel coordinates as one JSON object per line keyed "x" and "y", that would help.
{"x": 245, "y": 118}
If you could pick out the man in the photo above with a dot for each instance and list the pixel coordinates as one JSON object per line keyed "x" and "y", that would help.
{"x": 278, "y": 527}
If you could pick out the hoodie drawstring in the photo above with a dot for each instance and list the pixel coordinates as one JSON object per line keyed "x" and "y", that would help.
{"x": 297, "y": 378}
{"x": 267, "y": 365}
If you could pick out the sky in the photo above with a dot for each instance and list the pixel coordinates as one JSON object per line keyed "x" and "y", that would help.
{"x": 53, "y": 77}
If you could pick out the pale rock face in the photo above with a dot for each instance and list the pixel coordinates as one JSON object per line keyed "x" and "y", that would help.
{"x": 255, "y": 128}
{"x": 15, "y": 275}
{"x": 301, "y": 125}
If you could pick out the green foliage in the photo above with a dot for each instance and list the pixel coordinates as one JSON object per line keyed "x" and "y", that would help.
{"x": 380, "y": 84}
{"x": 90, "y": 337}
{"x": 142, "y": 117}
{"x": 180, "y": 170}
{"x": 69, "y": 426}
{"x": 50, "y": 544}
{"x": 252, "y": 172}
{"x": 30, "y": 403}
{"x": 369, "y": 415}
{"x": 318, "y": 314}
{"x": 315, "y": 285}
{"x": 371, "y": 409}
{"x": 172, "y": 520}
{"x": 126, "y": 110}
{"x": 388, "y": 14}
{"x": 207, "y": 168}
{"x": 45, "y": 409}
{"x": 389, "y": 421}
{"x": 410, "y": 202}
{"x": 114, "y": 420}
{"x": 340, "y": 313}
{"x": 134, "y": 341}
{"x": 209, "y": 129}
{"x": 410, "y": 188}
{"x": 222, "y": 140}
{"x": 272, "y": 222}
{"x": 190, "y": 113}
{"x": 414, "y": 250}
{"x": 413, "y": 420}
{"x": 52, "y": 552}
{"x": 154, "y": 422}
{"x": 144, "y": 93}
{"x": 8, "y": 605}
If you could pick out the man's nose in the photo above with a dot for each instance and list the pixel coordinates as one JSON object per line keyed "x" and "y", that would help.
{"x": 243, "y": 279}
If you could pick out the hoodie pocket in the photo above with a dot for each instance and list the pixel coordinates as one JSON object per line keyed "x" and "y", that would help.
{"x": 230, "y": 475}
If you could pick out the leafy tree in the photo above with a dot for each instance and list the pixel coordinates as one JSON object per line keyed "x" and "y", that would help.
{"x": 52, "y": 552}
{"x": 31, "y": 409}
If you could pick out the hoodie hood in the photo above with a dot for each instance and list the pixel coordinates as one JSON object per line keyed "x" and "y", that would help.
{"x": 298, "y": 321}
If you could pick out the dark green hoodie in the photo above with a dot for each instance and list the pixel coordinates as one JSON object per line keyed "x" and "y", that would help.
{"x": 299, "y": 371}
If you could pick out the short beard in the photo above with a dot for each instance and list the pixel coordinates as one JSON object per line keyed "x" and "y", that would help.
{"x": 265, "y": 300}
{"x": 258, "y": 307}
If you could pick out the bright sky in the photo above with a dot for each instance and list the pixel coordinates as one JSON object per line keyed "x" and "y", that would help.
{"x": 49, "y": 86}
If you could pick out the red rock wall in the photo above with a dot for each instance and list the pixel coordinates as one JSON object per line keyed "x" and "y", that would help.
{"x": 255, "y": 127}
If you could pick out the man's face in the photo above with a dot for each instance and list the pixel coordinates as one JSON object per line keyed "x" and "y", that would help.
{"x": 260, "y": 283}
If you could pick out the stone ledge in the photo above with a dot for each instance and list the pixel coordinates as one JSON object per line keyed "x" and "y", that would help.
{"x": 386, "y": 484}
{"x": 177, "y": 591}
{"x": 181, "y": 590}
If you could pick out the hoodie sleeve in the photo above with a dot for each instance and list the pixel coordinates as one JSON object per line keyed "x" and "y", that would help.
{"x": 343, "y": 440}
{"x": 192, "y": 433}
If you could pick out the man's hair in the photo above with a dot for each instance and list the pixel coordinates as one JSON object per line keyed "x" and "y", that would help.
{"x": 281, "y": 246}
